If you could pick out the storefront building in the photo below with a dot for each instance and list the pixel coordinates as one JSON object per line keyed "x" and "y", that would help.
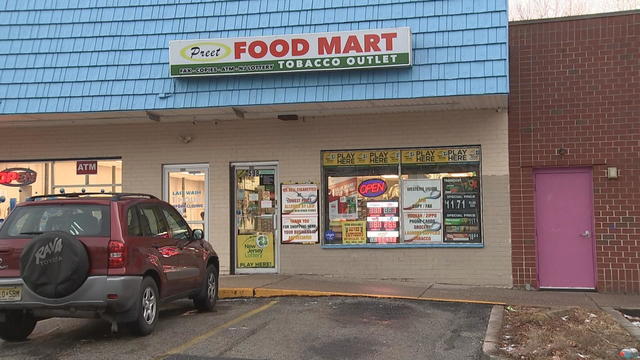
{"x": 574, "y": 140}
{"x": 357, "y": 139}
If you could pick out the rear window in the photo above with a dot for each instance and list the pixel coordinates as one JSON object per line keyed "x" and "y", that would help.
{"x": 80, "y": 220}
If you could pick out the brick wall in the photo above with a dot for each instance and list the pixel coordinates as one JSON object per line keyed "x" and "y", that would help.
{"x": 296, "y": 145}
{"x": 575, "y": 85}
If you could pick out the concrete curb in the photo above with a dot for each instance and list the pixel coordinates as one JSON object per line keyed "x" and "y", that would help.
{"x": 230, "y": 293}
{"x": 626, "y": 324}
{"x": 492, "y": 337}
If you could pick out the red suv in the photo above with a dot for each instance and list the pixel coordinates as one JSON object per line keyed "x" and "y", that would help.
{"x": 95, "y": 255}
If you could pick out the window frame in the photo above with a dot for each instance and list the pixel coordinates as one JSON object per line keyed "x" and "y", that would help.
{"x": 324, "y": 223}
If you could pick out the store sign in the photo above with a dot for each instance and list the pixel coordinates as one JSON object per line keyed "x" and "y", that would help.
{"x": 299, "y": 229}
{"x": 84, "y": 167}
{"x": 288, "y": 53}
{"x": 354, "y": 232}
{"x": 255, "y": 251}
{"x": 17, "y": 177}
{"x": 421, "y": 194}
{"x": 372, "y": 188}
{"x": 299, "y": 199}
{"x": 407, "y": 156}
{"x": 299, "y": 213}
{"x": 422, "y": 226}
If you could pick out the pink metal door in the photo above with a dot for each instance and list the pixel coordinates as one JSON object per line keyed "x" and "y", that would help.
{"x": 564, "y": 228}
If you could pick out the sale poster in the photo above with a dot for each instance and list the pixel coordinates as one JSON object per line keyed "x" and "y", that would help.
{"x": 461, "y": 210}
{"x": 343, "y": 200}
{"x": 354, "y": 232}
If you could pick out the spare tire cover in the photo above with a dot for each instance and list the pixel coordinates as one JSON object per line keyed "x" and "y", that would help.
{"x": 54, "y": 264}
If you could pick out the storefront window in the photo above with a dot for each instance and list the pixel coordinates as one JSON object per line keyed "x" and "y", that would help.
{"x": 20, "y": 180}
{"x": 185, "y": 187}
{"x": 402, "y": 197}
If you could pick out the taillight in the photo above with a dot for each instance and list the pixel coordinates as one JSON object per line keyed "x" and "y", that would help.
{"x": 116, "y": 254}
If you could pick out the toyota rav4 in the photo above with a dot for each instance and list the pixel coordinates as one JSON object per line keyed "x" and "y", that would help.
{"x": 109, "y": 256}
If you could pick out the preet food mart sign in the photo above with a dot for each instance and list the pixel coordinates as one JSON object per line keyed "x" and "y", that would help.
{"x": 288, "y": 53}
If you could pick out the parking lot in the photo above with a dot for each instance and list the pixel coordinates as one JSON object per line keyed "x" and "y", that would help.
{"x": 279, "y": 328}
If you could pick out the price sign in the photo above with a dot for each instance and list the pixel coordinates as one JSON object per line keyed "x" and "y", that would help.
{"x": 461, "y": 210}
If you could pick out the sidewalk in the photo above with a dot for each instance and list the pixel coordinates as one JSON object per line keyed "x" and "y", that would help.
{"x": 267, "y": 285}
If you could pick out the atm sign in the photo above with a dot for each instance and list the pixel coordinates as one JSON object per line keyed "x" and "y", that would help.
{"x": 86, "y": 167}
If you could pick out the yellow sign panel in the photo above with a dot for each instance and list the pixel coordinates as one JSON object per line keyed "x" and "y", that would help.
{"x": 441, "y": 155}
{"x": 354, "y": 232}
{"x": 374, "y": 157}
{"x": 255, "y": 251}
{"x": 410, "y": 156}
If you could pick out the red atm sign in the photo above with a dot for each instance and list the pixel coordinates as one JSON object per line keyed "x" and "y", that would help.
{"x": 87, "y": 167}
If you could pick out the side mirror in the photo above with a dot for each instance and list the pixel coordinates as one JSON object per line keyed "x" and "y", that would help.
{"x": 198, "y": 234}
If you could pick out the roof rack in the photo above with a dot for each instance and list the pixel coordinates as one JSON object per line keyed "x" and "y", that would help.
{"x": 114, "y": 196}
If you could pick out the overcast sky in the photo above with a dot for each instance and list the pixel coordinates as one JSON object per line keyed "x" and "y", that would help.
{"x": 569, "y": 7}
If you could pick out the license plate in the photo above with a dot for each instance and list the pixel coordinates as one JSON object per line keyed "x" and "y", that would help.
{"x": 10, "y": 293}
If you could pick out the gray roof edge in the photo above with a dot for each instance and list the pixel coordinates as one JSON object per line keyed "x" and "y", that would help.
{"x": 575, "y": 17}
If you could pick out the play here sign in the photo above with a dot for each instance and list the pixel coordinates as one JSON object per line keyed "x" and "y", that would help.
{"x": 287, "y": 53}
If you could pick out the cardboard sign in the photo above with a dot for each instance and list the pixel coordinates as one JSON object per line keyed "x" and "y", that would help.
{"x": 86, "y": 167}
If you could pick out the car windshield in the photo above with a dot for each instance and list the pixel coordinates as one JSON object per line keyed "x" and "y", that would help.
{"x": 80, "y": 220}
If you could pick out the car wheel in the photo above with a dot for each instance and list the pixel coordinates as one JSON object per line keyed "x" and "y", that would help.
{"x": 17, "y": 326}
{"x": 147, "y": 308}
{"x": 206, "y": 299}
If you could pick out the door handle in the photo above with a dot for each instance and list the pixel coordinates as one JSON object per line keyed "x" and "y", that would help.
{"x": 586, "y": 234}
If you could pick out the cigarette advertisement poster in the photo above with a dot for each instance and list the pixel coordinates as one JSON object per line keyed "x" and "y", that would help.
{"x": 461, "y": 210}
{"x": 299, "y": 229}
{"x": 422, "y": 226}
{"x": 354, "y": 232}
{"x": 343, "y": 200}
{"x": 299, "y": 212}
{"x": 423, "y": 194}
{"x": 299, "y": 199}
{"x": 255, "y": 251}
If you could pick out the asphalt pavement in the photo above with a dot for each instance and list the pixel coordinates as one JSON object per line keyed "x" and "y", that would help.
{"x": 275, "y": 328}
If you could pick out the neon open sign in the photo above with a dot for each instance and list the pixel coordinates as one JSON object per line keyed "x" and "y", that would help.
{"x": 372, "y": 187}
{"x": 17, "y": 177}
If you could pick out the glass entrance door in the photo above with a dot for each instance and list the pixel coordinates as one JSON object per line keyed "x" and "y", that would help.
{"x": 186, "y": 187}
{"x": 255, "y": 232}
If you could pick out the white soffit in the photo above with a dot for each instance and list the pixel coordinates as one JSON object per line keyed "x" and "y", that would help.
{"x": 238, "y": 113}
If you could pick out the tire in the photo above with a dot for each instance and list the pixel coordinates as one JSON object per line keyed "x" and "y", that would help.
{"x": 18, "y": 326}
{"x": 208, "y": 296}
{"x": 54, "y": 264}
{"x": 147, "y": 308}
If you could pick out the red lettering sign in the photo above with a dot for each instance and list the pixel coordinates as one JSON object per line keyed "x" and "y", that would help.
{"x": 85, "y": 167}
{"x": 17, "y": 177}
{"x": 372, "y": 187}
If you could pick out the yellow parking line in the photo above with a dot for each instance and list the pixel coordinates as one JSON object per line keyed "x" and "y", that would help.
{"x": 197, "y": 339}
